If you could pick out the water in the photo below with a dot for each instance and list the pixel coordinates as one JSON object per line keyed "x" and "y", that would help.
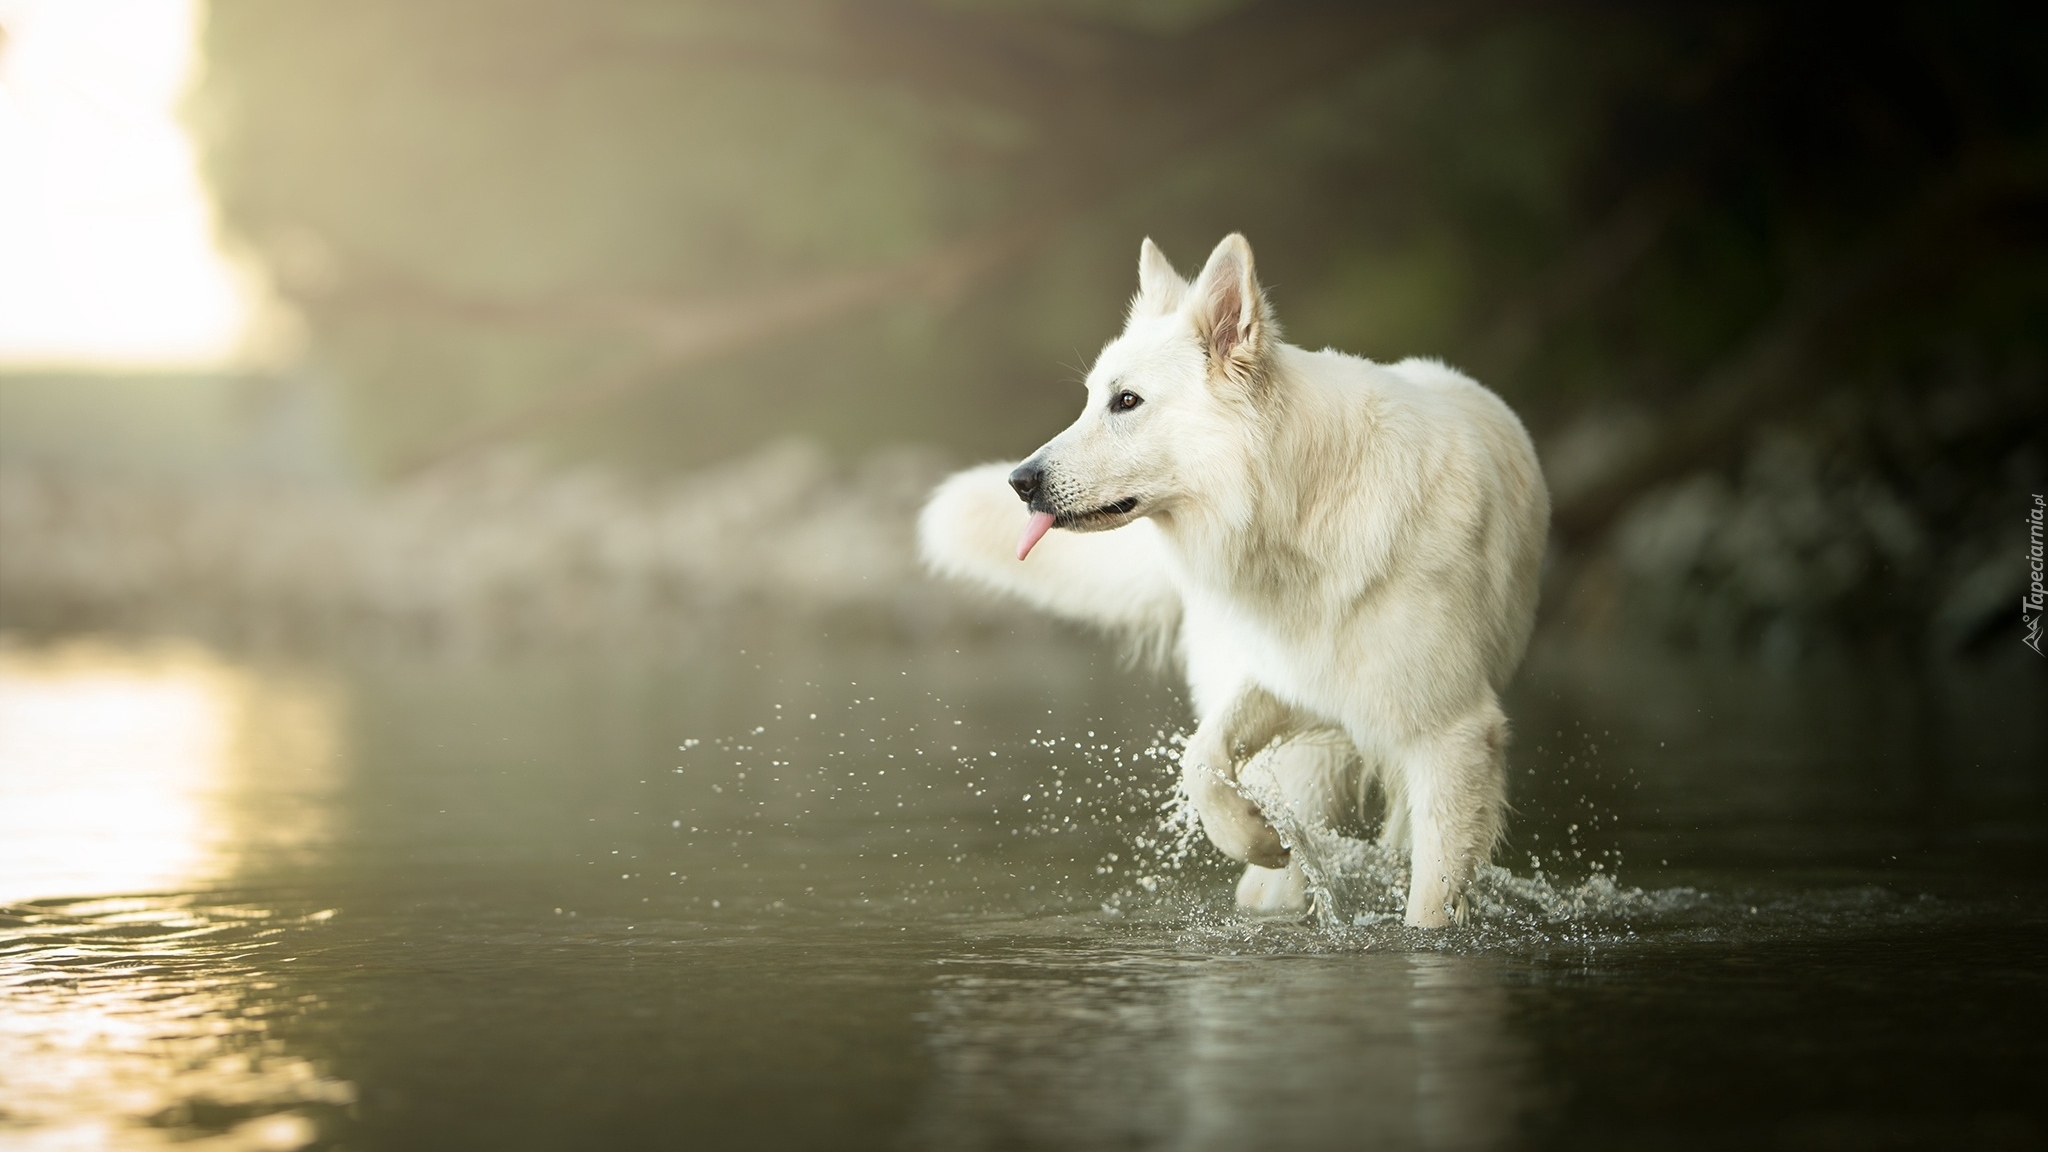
{"x": 810, "y": 894}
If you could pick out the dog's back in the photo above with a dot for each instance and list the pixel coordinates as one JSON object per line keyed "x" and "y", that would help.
{"x": 1505, "y": 517}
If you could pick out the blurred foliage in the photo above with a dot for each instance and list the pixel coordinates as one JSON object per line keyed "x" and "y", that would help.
{"x": 657, "y": 234}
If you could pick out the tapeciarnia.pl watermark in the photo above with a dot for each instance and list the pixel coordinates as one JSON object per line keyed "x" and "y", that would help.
{"x": 2032, "y": 603}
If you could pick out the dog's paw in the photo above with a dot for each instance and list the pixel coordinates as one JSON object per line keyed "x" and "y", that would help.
{"x": 1233, "y": 823}
{"x": 1442, "y": 912}
{"x": 1273, "y": 891}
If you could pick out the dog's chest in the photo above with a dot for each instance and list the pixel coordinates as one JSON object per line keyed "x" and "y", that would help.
{"x": 1229, "y": 642}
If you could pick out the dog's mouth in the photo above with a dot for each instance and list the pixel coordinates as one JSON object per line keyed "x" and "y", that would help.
{"x": 1042, "y": 521}
{"x": 1107, "y": 512}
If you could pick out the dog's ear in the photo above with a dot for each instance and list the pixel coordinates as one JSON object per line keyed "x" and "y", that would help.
{"x": 1160, "y": 288}
{"x": 1230, "y": 312}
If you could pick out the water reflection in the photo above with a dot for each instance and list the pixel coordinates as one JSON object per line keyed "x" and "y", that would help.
{"x": 126, "y": 771}
{"x": 1388, "y": 1050}
{"x": 136, "y": 1023}
{"x": 135, "y": 1013}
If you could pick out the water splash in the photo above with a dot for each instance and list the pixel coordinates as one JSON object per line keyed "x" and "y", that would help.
{"x": 1363, "y": 883}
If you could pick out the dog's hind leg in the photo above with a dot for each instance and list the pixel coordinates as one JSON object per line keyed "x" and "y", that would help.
{"x": 1455, "y": 782}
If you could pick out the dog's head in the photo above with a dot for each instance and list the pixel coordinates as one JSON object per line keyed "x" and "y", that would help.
{"x": 1172, "y": 402}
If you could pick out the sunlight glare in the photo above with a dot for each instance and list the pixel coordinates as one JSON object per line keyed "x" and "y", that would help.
{"x": 107, "y": 253}
{"x": 134, "y": 783}
{"x": 125, "y": 774}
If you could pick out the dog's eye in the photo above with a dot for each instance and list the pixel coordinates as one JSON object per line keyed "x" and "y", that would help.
{"x": 1125, "y": 401}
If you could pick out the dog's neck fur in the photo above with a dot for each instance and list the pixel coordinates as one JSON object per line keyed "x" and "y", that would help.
{"x": 1251, "y": 527}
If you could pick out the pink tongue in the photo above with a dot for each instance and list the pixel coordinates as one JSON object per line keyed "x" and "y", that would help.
{"x": 1033, "y": 530}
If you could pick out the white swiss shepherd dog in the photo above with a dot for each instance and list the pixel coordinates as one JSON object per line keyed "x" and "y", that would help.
{"x": 1344, "y": 556}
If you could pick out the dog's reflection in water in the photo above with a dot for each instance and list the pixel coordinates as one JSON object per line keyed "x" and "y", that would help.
{"x": 1269, "y": 1052}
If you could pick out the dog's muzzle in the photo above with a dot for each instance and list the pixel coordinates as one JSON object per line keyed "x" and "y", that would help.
{"x": 1028, "y": 480}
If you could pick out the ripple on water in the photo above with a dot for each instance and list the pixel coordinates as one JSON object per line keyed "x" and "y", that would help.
{"x": 145, "y": 1022}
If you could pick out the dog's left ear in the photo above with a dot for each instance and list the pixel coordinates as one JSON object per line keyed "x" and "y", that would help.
{"x": 1230, "y": 311}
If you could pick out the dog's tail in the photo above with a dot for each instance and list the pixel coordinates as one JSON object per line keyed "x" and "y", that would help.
{"x": 1117, "y": 580}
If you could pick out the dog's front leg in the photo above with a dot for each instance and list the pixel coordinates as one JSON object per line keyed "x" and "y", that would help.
{"x": 1208, "y": 771}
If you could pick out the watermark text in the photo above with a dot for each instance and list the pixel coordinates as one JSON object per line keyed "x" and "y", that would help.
{"x": 2032, "y": 603}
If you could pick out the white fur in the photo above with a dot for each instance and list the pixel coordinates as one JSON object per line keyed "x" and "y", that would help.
{"x": 1333, "y": 546}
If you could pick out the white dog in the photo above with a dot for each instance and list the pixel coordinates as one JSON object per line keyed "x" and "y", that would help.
{"x": 1345, "y": 555}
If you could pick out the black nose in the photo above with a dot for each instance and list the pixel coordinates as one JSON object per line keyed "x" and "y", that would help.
{"x": 1026, "y": 480}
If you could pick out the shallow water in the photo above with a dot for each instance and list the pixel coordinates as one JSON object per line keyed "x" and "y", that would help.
{"x": 814, "y": 895}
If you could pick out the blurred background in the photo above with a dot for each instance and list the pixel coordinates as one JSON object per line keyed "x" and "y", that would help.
{"x": 514, "y": 323}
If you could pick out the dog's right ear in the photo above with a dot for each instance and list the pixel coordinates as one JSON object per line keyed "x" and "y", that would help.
{"x": 1230, "y": 311}
{"x": 1160, "y": 288}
